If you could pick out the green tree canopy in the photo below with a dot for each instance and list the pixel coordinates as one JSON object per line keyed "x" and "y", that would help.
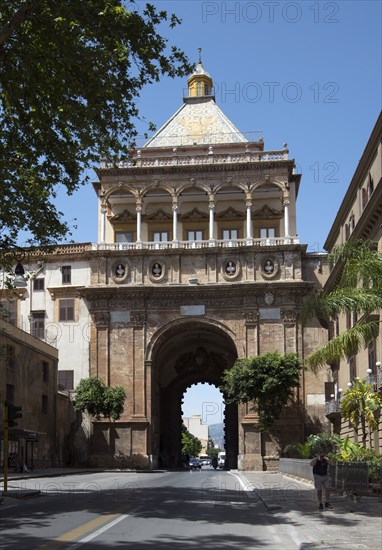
{"x": 70, "y": 77}
{"x": 358, "y": 292}
{"x": 191, "y": 445}
{"x": 98, "y": 399}
{"x": 268, "y": 380}
{"x": 361, "y": 406}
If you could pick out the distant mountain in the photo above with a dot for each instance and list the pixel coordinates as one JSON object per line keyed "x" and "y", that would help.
{"x": 216, "y": 433}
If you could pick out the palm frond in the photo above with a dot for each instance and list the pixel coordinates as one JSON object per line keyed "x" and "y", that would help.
{"x": 350, "y": 299}
{"x": 341, "y": 300}
{"x": 344, "y": 345}
{"x": 362, "y": 264}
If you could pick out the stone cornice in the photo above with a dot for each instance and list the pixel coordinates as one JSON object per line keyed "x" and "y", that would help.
{"x": 169, "y": 297}
{"x": 218, "y": 167}
{"x": 62, "y": 291}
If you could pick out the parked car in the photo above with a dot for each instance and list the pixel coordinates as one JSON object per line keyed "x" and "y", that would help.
{"x": 195, "y": 464}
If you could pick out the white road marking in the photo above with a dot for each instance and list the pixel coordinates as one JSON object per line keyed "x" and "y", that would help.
{"x": 99, "y": 531}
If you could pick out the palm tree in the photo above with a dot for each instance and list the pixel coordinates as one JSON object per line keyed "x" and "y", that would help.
{"x": 358, "y": 291}
{"x": 360, "y": 405}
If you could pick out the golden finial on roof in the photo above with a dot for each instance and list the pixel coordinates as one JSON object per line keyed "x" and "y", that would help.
{"x": 200, "y": 82}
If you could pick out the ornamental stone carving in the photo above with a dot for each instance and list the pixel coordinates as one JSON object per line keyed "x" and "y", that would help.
{"x": 119, "y": 272}
{"x": 137, "y": 319}
{"x": 101, "y": 319}
{"x": 212, "y": 363}
{"x": 289, "y": 316}
{"x": 231, "y": 269}
{"x": 251, "y": 317}
{"x": 157, "y": 271}
{"x": 124, "y": 217}
{"x": 269, "y": 298}
{"x": 269, "y": 267}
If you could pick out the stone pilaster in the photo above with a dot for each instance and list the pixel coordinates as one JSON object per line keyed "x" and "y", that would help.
{"x": 252, "y": 332}
{"x": 101, "y": 321}
{"x": 289, "y": 318}
{"x": 137, "y": 321}
{"x": 250, "y": 453}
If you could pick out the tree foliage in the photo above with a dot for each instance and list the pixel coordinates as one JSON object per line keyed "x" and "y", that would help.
{"x": 266, "y": 380}
{"x": 71, "y": 74}
{"x": 359, "y": 292}
{"x": 191, "y": 445}
{"x": 361, "y": 406}
{"x": 214, "y": 451}
{"x": 98, "y": 399}
{"x": 313, "y": 445}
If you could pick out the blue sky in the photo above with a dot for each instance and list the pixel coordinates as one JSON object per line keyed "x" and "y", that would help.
{"x": 307, "y": 73}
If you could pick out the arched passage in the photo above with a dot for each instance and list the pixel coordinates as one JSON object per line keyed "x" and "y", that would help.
{"x": 186, "y": 353}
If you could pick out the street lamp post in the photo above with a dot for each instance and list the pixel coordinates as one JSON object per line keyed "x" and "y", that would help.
{"x": 19, "y": 280}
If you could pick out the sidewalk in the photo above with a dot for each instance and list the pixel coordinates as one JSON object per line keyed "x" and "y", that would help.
{"x": 293, "y": 503}
{"x": 47, "y": 472}
{"x": 14, "y": 491}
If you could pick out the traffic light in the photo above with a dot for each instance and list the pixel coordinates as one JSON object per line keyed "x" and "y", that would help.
{"x": 14, "y": 412}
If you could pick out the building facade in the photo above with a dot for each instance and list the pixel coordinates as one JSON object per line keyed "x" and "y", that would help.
{"x": 197, "y": 263}
{"x": 195, "y": 426}
{"x": 359, "y": 217}
{"x": 28, "y": 379}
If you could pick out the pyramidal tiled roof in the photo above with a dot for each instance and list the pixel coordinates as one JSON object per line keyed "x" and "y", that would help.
{"x": 197, "y": 123}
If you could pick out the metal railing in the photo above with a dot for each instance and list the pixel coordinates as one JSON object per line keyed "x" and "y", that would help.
{"x": 349, "y": 477}
{"x": 333, "y": 406}
{"x": 375, "y": 380}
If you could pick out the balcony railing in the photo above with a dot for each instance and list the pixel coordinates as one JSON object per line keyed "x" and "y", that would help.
{"x": 332, "y": 407}
{"x": 375, "y": 379}
{"x": 190, "y": 245}
{"x": 176, "y": 159}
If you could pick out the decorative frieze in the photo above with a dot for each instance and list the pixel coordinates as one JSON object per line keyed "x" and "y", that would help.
{"x": 251, "y": 317}
{"x": 137, "y": 319}
{"x": 101, "y": 319}
{"x": 289, "y": 316}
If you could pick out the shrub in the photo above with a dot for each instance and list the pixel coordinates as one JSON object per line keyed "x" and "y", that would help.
{"x": 321, "y": 442}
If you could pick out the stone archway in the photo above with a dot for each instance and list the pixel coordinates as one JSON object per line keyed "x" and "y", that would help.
{"x": 187, "y": 353}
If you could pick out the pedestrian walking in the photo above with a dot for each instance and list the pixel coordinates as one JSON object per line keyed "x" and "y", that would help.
{"x": 321, "y": 479}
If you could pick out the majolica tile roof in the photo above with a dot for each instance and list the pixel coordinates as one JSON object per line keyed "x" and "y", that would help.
{"x": 197, "y": 122}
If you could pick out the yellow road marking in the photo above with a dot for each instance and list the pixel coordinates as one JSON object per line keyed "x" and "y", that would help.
{"x": 78, "y": 531}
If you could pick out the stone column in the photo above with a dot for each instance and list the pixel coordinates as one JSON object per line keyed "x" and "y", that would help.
{"x": 138, "y": 208}
{"x": 249, "y": 218}
{"x": 103, "y": 223}
{"x": 174, "y": 220}
{"x": 211, "y": 206}
{"x": 286, "y": 217}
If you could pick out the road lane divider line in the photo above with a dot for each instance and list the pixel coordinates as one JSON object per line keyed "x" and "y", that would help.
{"x": 70, "y": 536}
{"x": 99, "y": 531}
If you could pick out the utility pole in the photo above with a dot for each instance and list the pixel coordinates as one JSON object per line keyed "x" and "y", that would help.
{"x": 5, "y": 453}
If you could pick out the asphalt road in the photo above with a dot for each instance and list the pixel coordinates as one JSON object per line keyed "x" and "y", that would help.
{"x": 163, "y": 510}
